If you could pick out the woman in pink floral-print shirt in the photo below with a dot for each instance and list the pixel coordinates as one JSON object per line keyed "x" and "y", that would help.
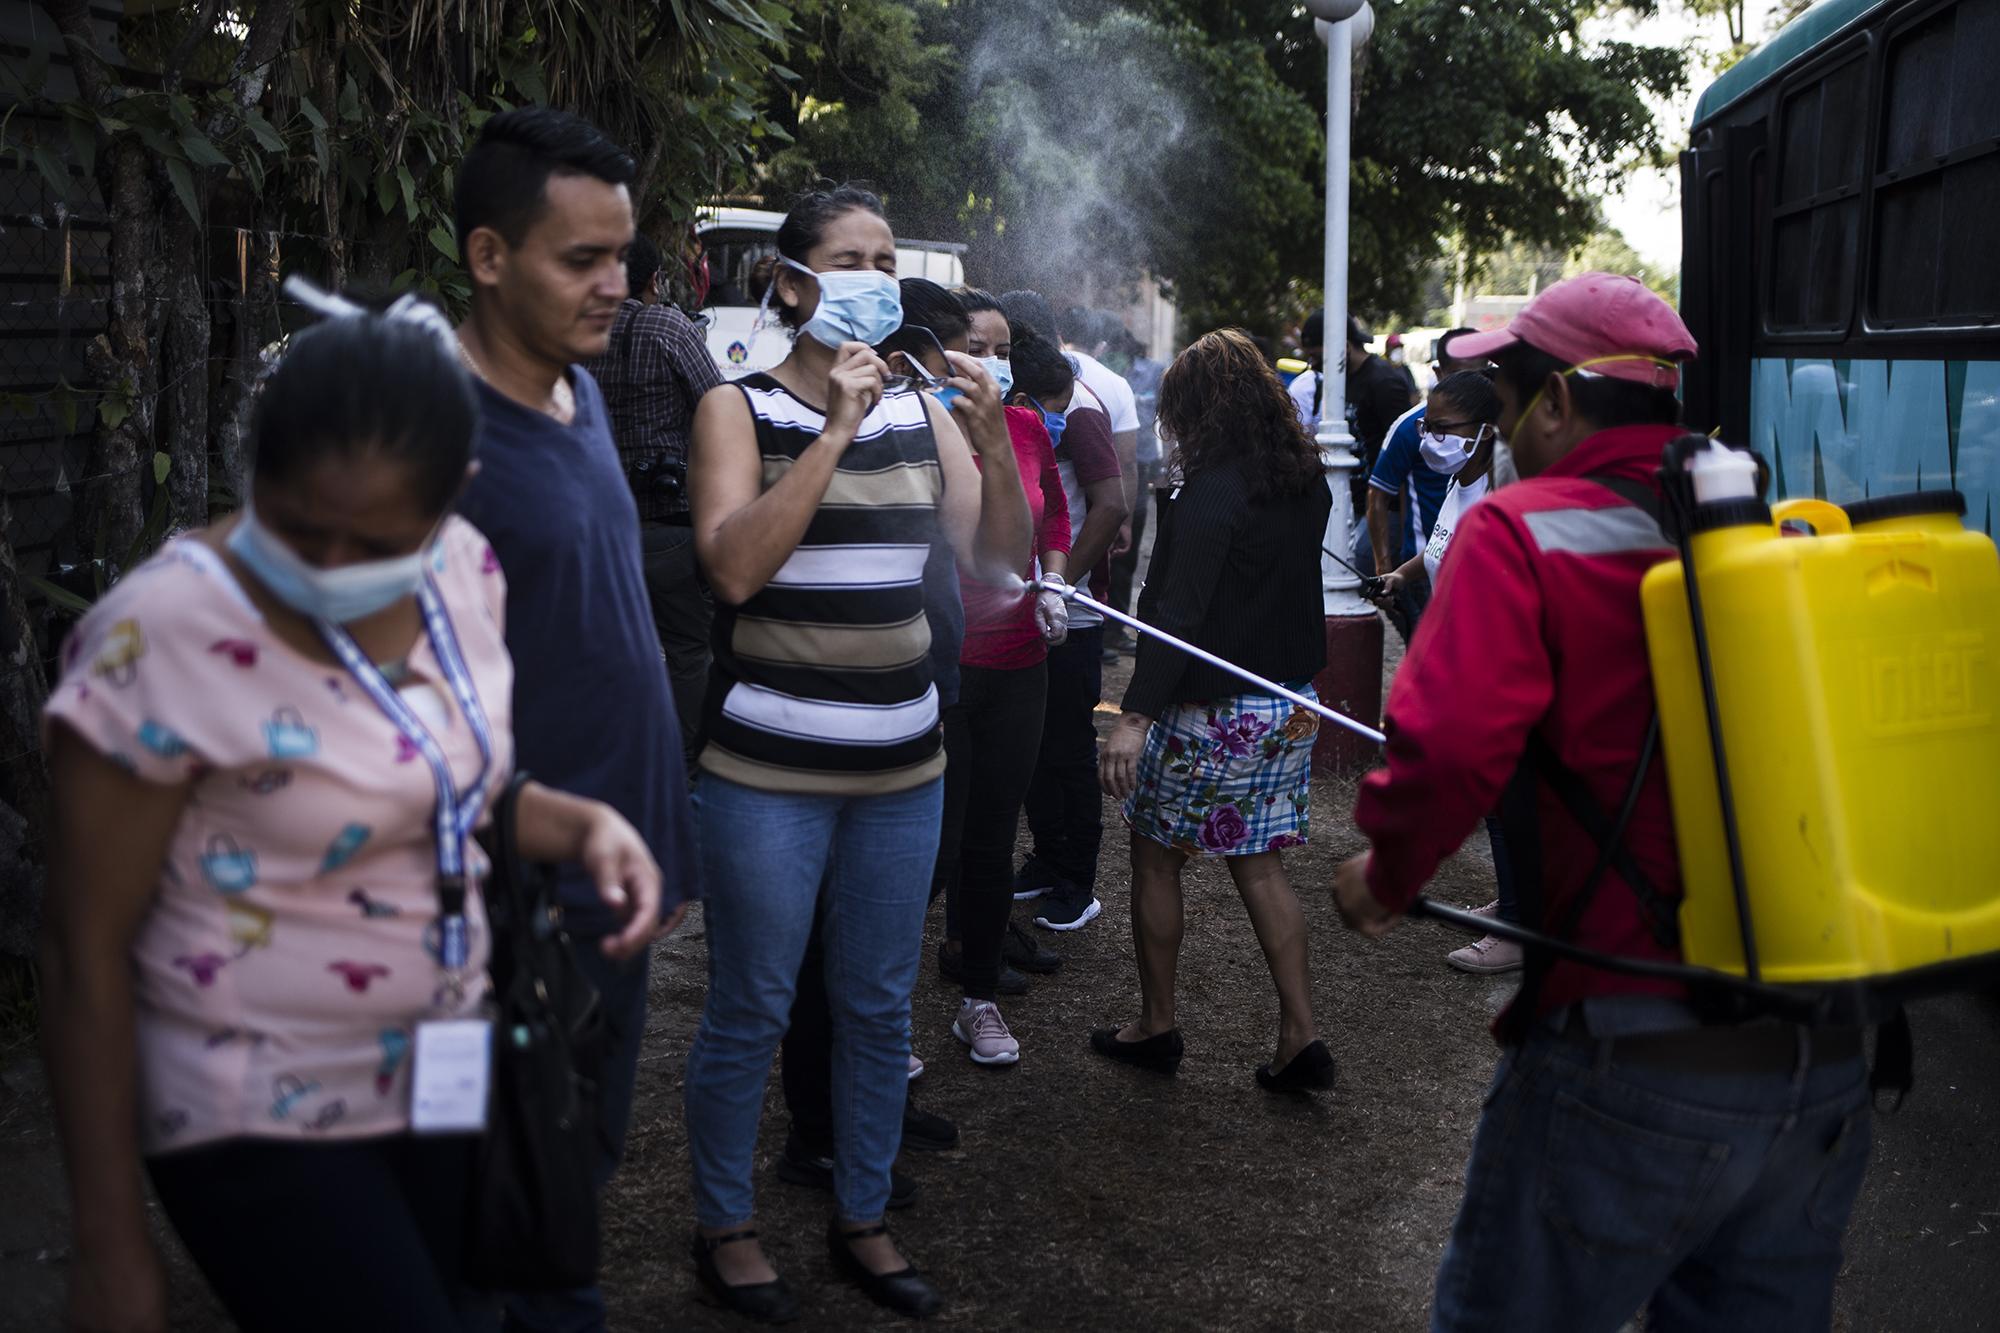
{"x": 244, "y": 917}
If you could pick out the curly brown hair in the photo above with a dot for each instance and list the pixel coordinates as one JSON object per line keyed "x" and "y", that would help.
{"x": 1221, "y": 401}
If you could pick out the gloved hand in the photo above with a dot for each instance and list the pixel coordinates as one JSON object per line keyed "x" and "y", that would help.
{"x": 1052, "y": 613}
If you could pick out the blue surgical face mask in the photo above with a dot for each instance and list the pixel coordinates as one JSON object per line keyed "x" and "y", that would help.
{"x": 855, "y": 305}
{"x": 1054, "y": 421}
{"x": 1002, "y": 373}
{"x": 343, "y": 595}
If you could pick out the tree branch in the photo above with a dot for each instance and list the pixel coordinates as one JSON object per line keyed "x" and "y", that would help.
{"x": 72, "y": 19}
{"x": 264, "y": 44}
{"x": 204, "y": 24}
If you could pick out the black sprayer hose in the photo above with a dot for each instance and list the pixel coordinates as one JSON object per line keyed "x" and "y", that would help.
{"x": 1737, "y": 880}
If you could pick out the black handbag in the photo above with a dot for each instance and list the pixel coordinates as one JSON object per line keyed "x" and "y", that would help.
{"x": 533, "y": 1208}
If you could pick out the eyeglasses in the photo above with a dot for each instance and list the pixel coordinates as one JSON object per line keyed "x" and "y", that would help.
{"x": 1444, "y": 428}
{"x": 922, "y": 378}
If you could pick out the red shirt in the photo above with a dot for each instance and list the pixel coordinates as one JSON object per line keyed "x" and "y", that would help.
{"x": 1535, "y": 626}
{"x": 1000, "y": 631}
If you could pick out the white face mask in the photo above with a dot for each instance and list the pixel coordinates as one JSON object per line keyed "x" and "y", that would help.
{"x": 343, "y": 595}
{"x": 1448, "y": 454}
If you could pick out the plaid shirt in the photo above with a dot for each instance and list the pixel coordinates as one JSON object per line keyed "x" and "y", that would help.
{"x": 653, "y": 373}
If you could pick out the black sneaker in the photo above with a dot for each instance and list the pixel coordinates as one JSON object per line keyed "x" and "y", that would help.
{"x": 1021, "y": 950}
{"x": 1034, "y": 879}
{"x": 926, "y": 1132}
{"x": 1067, "y": 908}
{"x": 799, "y": 1166}
{"x": 951, "y": 966}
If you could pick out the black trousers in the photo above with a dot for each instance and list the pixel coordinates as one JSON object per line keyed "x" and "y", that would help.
{"x": 683, "y": 612}
{"x": 1125, "y": 568}
{"x": 805, "y": 1067}
{"x": 1065, "y": 808}
{"x": 990, "y": 757}
{"x": 309, "y": 1237}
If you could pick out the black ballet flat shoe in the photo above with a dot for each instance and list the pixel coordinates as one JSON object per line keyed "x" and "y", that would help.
{"x": 906, "y": 1291}
{"x": 1311, "y": 1070}
{"x": 1161, "y": 1054}
{"x": 762, "y": 1302}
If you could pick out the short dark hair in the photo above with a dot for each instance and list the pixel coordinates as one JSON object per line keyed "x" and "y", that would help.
{"x": 642, "y": 265}
{"x": 367, "y": 386}
{"x": 1471, "y": 393}
{"x": 1040, "y": 369}
{"x": 1077, "y": 324}
{"x": 1438, "y": 351}
{"x": 977, "y": 300}
{"x": 1032, "y": 309}
{"x": 1312, "y": 333}
{"x": 1599, "y": 399}
{"x": 926, "y": 306}
{"x": 503, "y": 182}
{"x": 803, "y": 228}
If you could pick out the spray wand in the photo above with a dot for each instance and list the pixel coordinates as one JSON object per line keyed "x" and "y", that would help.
{"x": 1070, "y": 594}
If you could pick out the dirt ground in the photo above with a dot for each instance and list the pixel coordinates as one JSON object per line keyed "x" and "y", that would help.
{"x": 1097, "y": 1197}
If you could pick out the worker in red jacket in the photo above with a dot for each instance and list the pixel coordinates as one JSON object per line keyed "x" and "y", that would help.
{"x": 1634, "y": 1151}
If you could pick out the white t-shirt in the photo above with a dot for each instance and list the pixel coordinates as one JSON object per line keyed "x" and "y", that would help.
{"x": 1080, "y": 616}
{"x": 1110, "y": 389}
{"x": 1303, "y": 388}
{"x": 1457, "y": 500}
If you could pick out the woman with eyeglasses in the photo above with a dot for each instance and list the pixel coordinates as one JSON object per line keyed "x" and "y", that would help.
{"x": 818, "y": 489}
{"x": 992, "y": 733}
{"x": 1461, "y": 441}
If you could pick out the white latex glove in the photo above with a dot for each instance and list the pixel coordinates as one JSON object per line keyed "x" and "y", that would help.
{"x": 1052, "y": 614}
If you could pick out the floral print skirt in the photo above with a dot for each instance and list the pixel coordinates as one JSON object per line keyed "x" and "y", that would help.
{"x": 1227, "y": 777}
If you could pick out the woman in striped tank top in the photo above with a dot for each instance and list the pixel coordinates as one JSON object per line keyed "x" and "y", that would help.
{"x": 817, "y": 492}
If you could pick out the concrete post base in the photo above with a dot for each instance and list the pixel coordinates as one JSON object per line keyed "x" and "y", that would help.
{"x": 1350, "y": 684}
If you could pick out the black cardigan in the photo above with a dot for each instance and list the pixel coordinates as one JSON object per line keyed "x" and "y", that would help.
{"x": 1241, "y": 580}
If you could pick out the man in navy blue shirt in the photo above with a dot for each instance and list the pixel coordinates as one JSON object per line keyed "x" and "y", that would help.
{"x": 544, "y": 219}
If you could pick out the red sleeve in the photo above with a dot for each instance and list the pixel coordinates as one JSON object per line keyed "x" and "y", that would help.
{"x": 1087, "y": 438}
{"x": 1476, "y": 681}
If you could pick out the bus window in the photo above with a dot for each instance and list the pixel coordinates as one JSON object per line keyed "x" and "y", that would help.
{"x": 1816, "y": 218}
{"x": 1940, "y": 157}
{"x": 732, "y": 254}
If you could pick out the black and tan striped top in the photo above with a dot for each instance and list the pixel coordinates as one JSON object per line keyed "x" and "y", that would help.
{"x": 822, "y": 681}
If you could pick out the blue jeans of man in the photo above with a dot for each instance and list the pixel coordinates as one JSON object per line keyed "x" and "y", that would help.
{"x": 621, "y": 994}
{"x": 763, "y": 856}
{"x": 1598, "y": 1186}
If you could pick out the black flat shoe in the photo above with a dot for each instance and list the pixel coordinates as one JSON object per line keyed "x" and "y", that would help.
{"x": 1161, "y": 1054}
{"x": 761, "y": 1302}
{"x": 1021, "y": 950}
{"x": 906, "y": 1291}
{"x": 800, "y": 1165}
{"x": 1311, "y": 1070}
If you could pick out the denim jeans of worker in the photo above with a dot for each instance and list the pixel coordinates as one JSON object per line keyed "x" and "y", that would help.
{"x": 1598, "y": 1187}
{"x": 621, "y": 994}
{"x": 763, "y": 855}
{"x": 1064, "y": 804}
{"x": 683, "y": 612}
{"x": 1503, "y": 871}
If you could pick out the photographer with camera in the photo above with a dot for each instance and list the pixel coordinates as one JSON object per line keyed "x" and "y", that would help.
{"x": 653, "y": 373}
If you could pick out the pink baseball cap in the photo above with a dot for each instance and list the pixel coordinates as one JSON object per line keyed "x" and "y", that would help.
{"x": 1611, "y": 324}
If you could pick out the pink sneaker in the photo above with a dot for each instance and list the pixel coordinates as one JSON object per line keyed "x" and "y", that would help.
{"x": 985, "y": 1034}
{"x": 1491, "y": 909}
{"x": 1486, "y": 956}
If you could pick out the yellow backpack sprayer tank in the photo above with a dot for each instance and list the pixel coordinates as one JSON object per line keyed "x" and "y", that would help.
{"x": 1849, "y": 682}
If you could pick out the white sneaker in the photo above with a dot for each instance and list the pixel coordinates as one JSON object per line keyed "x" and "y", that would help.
{"x": 1487, "y": 956}
{"x": 985, "y": 1034}
{"x": 916, "y": 1067}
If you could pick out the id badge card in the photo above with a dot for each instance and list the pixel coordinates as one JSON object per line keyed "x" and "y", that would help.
{"x": 449, "y": 1076}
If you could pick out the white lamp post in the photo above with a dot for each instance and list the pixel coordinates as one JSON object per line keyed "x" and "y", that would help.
{"x": 1352, "y": 681}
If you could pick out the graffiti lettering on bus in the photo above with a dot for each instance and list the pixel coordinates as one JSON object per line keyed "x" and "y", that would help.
{"x": 1844, "y": 430}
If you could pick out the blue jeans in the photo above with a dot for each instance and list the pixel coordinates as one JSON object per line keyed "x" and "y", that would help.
{"x": 763, "y": 855}
{"x": 1596, "y": 1187}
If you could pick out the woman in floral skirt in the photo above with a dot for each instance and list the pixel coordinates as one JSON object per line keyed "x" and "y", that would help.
{"x": 1204, "y": 768}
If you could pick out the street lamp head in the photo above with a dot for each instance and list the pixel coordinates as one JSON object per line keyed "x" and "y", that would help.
{"x": 1333, "y": 11}
{"x": 1360, "y": 20}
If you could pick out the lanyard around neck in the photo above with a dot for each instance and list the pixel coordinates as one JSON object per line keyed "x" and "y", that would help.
{"x": 456, "y": 813}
